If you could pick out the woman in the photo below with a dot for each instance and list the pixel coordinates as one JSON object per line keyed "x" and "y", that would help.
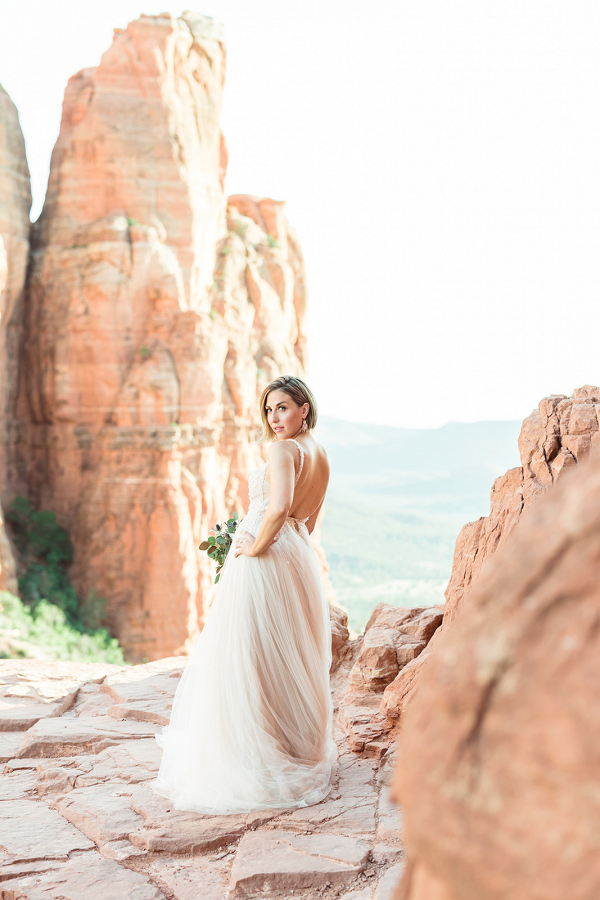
{"x": 251, "y": 720}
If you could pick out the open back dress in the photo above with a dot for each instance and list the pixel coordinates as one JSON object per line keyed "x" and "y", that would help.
{"x": 251, "y": 721}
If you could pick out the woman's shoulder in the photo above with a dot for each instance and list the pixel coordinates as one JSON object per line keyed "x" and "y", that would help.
{"x": 281, "y": 450}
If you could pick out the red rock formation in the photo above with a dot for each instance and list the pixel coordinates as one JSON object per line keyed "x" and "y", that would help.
{"x": 155, "y": 315}
{"x": 15, "y": 202}
{"x": 394, "y": 637}
{"x": 554, "y": 437}
{"x": 500, "y": 760}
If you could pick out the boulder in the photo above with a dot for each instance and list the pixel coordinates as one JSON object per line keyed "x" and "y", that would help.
{"x": 394, "y": 639}
{"x": 557, "y": 435}
{"x": 553, "y": 439}
{"x": 499, "y": 765}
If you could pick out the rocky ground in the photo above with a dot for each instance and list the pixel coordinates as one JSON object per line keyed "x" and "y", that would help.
{"x": 79, "y": 820}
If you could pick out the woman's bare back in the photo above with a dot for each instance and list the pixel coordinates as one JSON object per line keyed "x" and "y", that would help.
{"x": 310, "y": 491}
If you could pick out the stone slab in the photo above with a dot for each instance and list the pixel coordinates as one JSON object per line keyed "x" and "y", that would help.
{"x": 16, "y": 787}
{"x": 31, "y": 830}
{"x": 25, "y": 867}
{"x": 128, "y": 762}
{"x": 145, "y": 693}
{"x": 191, "y": 879}
{"x": 9, "y": 744}
{"x": 351, "y": 810}
{"x": 168, "y": 830}
{"x": 90, "y": 702}
{"x": 74, "y": 736}
{"x": 102, "y": 812}
{"x": 21, "y": 715}
{"x": 268, "y": 862}
{"x": 85, "y": 877}
{"x": 31, "y": 690}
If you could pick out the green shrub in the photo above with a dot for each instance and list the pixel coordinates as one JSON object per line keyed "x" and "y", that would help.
{"x": 49, "y": 612}
{"x": 43, "y": 631}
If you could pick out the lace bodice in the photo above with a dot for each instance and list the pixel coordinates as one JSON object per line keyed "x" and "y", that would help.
{"x": 259, "y": 492}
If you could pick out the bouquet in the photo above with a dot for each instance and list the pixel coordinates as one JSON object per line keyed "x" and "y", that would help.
{"x": 218, "y": 544}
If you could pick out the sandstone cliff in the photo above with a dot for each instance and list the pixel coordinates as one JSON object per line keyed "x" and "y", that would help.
{"x": 553, "y": 438}
{"x": 499, "y": 766}
{"x": 155, "y": 314}
{"x": 15, "y": 202}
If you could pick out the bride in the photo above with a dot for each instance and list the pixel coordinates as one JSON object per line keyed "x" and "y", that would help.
{"x": 251, "y": 721}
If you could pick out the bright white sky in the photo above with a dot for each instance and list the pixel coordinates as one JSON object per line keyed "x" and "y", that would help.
{"x": 441, "y": 162}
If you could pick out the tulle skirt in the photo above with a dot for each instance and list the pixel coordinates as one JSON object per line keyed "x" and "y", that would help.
{"x": 251, "y": 721}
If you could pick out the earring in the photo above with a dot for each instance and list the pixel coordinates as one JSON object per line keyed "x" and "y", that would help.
{"x": 304, "y": 428}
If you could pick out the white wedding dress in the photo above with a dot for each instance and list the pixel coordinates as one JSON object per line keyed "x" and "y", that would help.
{"x": 251, "y": 721}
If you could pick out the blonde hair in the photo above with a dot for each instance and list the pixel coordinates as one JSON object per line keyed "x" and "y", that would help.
{"x": 300, "y": 393}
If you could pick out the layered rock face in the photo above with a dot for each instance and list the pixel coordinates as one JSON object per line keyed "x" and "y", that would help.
{"x": 500, "y": 761}
{"x": 156, "y": 312}
{"x": 554, "y": 437}
{"x": 15, "y": 202}
{"x": 394, "y": 639}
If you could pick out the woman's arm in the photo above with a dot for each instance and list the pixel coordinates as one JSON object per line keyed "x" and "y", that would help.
{"x": 282, "y": 474}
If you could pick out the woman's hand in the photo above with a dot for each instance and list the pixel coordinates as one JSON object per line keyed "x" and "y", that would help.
{"x": 244, "y": 544}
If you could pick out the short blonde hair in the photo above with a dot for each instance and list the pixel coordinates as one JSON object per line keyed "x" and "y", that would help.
{"x": 300, "y": 393}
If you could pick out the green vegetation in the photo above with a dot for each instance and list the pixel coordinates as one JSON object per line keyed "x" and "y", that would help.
{"x": 396, "y": 502}
{"x": 241, "y": 228}
{"x": 271, "y": 241}
{"x": 44, "y": 632}
{"x": 145, "y": 352}
{"x": 49, "y": 614}
{"x": 217, "y": 546}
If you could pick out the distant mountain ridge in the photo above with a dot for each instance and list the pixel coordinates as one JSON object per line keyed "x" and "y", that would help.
{"x": 397, "y": 500}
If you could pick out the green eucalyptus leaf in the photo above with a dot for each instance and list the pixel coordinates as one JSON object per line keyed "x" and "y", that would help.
{"x": 212, "y": 540}
{"x": 217, "y": 579}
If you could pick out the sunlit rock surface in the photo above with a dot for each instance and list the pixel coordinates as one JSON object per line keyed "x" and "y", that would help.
{"x": 156, "y": 312}
{"x": 553, "y": 438}
{"x": 15, "y": 202}
{"x": 394, "y": 638}
{"x": 499, "y": 772}
{"x": 78, "y": 818}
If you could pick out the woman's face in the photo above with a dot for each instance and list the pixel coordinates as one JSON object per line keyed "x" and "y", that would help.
{"x": 283, "y": 415}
